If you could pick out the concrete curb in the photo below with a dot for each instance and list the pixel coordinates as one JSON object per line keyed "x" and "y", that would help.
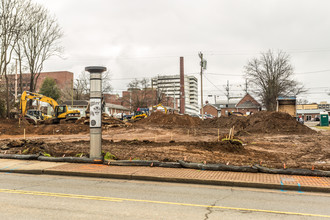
{"x": 175, "y": 180}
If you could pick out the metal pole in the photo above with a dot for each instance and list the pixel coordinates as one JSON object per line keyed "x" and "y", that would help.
{"x": 95, "y": 123}
{"x": 201, "y": 56}
{"x": 72, "y": 95}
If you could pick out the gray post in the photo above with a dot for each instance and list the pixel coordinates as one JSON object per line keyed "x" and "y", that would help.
{"x": 95, "y": 105}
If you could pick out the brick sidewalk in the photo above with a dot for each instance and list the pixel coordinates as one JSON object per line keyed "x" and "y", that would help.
{"x": 202, "y": 176}
{"x": 257, "y": 180}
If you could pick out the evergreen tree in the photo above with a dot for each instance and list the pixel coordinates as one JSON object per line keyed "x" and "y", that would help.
{"x": 50, "y": 89}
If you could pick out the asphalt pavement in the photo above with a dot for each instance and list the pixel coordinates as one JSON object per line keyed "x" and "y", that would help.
{"x": 28, "y": 196}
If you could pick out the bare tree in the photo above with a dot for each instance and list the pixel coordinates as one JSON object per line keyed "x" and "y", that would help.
{"x": 81, "y": 86}
{"x": 40, "y": 42}
{"x": 271, "y": 75}
{"x": 302, "y": 101}
{"x": 141, "y": 96}
{"x": 11, "y": 25}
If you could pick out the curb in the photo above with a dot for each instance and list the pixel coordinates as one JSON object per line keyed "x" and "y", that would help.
{"x": 176, "y": 180}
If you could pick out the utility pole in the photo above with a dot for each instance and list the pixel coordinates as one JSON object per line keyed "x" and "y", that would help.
{"x": 227, "y": 94}
{"x": 246, "y": 86}
{"x": 203, "y": 66}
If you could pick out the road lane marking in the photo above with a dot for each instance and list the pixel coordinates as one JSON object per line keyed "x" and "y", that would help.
{"x": 73, "y": 196}
{"x": 112, "y": 199}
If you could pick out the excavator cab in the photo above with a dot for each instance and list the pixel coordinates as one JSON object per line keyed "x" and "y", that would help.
{"x": 60, "y": 109}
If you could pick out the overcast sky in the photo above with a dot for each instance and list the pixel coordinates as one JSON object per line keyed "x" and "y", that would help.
{"x": 145, "y": 38}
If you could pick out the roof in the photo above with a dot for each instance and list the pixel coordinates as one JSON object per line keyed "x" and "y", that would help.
{"x": 248, "y": 104}
{"x": 216, "y": 106}
{"x": 310, "y": 111}
{"x": 76, "y": 102}
{"x": 113, "y": 106}
{"x": 225, "y": 102}
{"x": 286, "y": 98}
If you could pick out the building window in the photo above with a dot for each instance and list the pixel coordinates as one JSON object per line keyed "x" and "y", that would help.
{"x": 308, "y": 117}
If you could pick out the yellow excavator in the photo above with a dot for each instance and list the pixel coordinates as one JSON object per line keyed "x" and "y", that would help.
{"x": 60, "y": 111}
{"x": 159, "y": 107}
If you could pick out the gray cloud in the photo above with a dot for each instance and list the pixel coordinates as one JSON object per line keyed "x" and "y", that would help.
{"x": 145, "y": 38}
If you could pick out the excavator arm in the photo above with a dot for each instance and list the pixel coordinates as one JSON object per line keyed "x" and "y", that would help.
{"x": 155, "y": 107}
{"x": 35, "y": 96}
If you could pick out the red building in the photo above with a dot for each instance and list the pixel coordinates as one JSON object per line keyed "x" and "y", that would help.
{"x": 247, "y": 105}
{"x": 63, "y": 79}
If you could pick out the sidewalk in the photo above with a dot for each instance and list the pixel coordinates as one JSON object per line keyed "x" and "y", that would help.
{"x": 178, "y": 175}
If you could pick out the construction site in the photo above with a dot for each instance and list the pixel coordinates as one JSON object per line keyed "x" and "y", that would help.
{"x": 270, "y": 139}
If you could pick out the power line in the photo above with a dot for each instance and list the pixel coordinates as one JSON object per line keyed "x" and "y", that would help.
{"x": 317, "y": 71}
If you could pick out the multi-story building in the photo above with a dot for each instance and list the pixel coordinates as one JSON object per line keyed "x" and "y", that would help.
{"x": 324, "y": 105}
{"x": 170, "y": 86}
{"x": 63, "y": 79}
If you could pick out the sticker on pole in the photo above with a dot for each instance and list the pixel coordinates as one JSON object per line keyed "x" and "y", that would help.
{"x": 95, "y": 113}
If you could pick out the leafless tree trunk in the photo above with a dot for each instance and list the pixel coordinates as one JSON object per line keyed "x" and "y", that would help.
{"x": 81, "y": 85}
{"x": 40, "y": 42}
{"x": 11, "y": 25}
{"x": 271, "y": 75}
{"x": 139, "y": 94}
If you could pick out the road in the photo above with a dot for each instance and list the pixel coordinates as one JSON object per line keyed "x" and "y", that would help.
{"x": 58, "y": 197}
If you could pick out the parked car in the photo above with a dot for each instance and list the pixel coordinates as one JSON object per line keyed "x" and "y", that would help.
{"x": 209, "y": 116}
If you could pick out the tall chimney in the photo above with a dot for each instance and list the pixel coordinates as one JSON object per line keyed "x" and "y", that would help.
{"x": 182, "y": 97}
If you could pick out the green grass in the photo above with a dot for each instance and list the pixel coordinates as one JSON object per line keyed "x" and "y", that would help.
{"x": 323, "y": 127}
{"x": 110, "y": 156}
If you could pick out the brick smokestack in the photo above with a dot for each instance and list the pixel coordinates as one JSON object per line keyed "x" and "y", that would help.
{"x": 182, "y": 97}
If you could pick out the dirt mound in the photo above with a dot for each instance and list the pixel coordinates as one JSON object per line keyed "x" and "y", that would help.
{"x": 24, "y": 146}
{"x": 13, "y": 127}
{"x": 161, "y": 119}
{"x": 226, "y": 122}
{"x": 275, "y": 122}
{"x": 262, "y": 122}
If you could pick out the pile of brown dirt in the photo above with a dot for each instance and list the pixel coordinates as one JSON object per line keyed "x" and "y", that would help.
{"x": 161, "y": 119}
{"x": 275, "y": 122}
{"x": 12, "y": 127}
{"x": 226, "y": 122}
{"x": 262, "y": 122}
{"x": 24, "y": 147}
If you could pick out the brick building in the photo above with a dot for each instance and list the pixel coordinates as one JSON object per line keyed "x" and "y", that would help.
{"x": 246, "y": 105}
{"x": 213, "y": 109}
{"x": 63, "y": 79}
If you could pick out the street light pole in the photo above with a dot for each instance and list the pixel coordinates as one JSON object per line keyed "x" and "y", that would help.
{"x": 95, "y": 104}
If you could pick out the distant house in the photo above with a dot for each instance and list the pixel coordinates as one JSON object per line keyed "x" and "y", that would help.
{"x": 246, "y": 105}
{"x": 309, "y": 114}
{"x": 80, "y": 105}
{"x": 212, "y": 109}
{"x": 113, "y": 109}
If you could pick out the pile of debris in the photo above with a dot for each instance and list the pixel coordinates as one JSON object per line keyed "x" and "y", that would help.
{"x": 107, "y": 121}
{"x": 24, "y": 147}
{"x": 162, "y": 119}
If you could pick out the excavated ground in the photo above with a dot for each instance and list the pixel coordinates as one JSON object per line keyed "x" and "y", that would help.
{"x": 272, "y": 139}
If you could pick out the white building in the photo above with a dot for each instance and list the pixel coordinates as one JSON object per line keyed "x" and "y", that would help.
{"x": 170, "y": 86}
